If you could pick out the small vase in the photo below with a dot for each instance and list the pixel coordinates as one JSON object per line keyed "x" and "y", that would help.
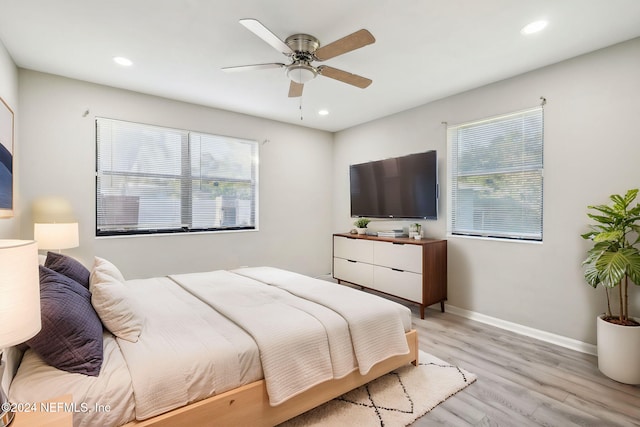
{"x": 361, "y": 230}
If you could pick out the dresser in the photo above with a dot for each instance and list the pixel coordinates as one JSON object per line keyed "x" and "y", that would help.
{"x": 413, "y": 270}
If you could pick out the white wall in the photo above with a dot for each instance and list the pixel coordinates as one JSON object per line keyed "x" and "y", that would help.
{"x": 58, "y": 159}
{"x": 9, "y": 92}
{"x": 592, "y": 147}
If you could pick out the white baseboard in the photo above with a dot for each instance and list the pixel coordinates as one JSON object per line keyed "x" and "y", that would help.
{"x": 569, "y": 343}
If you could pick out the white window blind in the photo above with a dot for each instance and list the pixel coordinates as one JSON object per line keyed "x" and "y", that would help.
{"x": 152, "y": 179}
{"x": 495, "y": 175}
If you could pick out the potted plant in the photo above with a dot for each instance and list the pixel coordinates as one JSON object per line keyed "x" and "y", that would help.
{"x": 361, "y": 225}
{"x": 614, "y": 263}
{"x": 418, "y": 228}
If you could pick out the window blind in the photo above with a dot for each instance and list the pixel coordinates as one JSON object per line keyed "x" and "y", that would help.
{"x": 152, "y": 179}
{"x": 496, "y": 176}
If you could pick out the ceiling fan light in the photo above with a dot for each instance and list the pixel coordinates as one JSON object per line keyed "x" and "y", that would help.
{"x": 301, "y": 73}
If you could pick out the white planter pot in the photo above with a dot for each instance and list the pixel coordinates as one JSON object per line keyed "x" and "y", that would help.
{"x": 619, "y": 351}
{"x": 361, "y": 230}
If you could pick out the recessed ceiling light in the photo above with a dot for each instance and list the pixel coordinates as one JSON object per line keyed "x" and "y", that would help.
{"x": 121, "y": 60}
{"x": 533, "y": 27}
{"x": 323, "y": 112}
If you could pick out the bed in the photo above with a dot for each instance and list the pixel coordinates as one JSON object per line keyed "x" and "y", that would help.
{"x": 251, "y": 346}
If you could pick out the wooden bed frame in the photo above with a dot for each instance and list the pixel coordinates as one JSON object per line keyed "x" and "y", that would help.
{"x": 249, "y": 404}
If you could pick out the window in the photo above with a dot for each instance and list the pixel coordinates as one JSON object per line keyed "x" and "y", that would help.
{"x": 495, "y": 177}
{"x": 152, "y": 179}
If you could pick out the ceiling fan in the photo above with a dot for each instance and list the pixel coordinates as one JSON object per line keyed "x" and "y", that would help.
{"x": 302, "y": 50}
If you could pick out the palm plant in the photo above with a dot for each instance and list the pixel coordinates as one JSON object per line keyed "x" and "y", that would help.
{"x": 614, "y": 259}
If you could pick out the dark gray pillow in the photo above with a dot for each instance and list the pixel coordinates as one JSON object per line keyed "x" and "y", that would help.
{"x": 71, "y": 334}
{"x": 69, "y": 267}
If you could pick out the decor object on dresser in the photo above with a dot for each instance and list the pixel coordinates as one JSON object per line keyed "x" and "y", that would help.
{"x": 19, "y": 302}
{"x": 415, "y": 231}
{"x": 614, "y": 262}
{"x": 361, "y": 225}
{"x": 413, "y": 270}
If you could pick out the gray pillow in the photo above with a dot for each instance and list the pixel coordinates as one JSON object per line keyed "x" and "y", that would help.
{"x": 69, "y": 267}
{"x": 71, "y": 334}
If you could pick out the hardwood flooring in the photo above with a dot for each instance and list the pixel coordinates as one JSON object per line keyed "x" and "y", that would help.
{"x": 521, "y": 381}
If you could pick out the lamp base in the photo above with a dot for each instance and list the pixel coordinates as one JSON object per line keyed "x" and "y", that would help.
{"x": 6, "y": 415}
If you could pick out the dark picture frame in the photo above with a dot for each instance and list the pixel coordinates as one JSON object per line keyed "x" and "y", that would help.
{"x": 6, "y": 160}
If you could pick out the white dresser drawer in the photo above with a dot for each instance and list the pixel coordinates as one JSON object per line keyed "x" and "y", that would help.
{"x": 353, "y": 249}
{"x": 403, "y": 284}
{"x": 400, "y": 256}
{"x": 355, "y": 272}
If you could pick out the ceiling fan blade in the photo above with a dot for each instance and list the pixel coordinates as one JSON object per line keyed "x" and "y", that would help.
{"x": 295, "y": 89}
{"x": 252, "y": 67}
{"x": 346, "y": 44}
{"x": 265, "y": 34}
{"x": 343, "y": 76}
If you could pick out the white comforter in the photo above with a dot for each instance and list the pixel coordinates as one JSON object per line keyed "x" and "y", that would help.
{"x": 186, "y": 351}
{"x": 377, "y": 325}
{"x": 306, "y": 329}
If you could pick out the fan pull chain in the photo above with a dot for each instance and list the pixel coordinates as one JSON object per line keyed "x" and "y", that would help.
{"x": 301, "y": 118}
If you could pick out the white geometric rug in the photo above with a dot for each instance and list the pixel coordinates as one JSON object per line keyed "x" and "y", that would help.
{"x": 395, "y": 399}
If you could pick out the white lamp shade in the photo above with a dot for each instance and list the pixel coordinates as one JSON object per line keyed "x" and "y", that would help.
{"x": 57, "y": 235}
{"x": 301, "y": 73}
{"x": 19, "y": 291}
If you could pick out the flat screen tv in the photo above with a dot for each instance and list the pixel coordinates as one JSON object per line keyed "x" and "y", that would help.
{"x": 400, "y": 187}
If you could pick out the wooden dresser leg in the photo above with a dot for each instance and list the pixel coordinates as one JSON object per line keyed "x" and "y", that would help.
{"x": 422, "y": 311}
{"x": 442, "y": 306}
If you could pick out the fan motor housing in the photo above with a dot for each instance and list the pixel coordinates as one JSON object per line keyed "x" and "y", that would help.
{"x": 303, "y": 43}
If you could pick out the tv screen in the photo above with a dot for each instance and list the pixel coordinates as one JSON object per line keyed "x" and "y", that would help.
{"x": 400, "y": 187}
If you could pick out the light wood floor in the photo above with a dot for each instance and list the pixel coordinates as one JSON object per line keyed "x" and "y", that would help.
{"x": 521, "y": 381}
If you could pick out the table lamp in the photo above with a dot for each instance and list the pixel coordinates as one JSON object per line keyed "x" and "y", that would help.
{"x": 57, "y": 235}
{"x": 54, "y": 226}
{"x": 19, "y": 302}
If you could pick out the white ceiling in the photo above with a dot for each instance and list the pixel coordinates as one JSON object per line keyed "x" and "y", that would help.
{"x": 424, "y": 49}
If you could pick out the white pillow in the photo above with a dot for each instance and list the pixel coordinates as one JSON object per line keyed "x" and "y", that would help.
{"x": 102, "y": 271}
{"x": 116, "y": 306}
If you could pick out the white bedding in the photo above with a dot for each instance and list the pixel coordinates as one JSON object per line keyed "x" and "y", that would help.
{"x": 298, "y": 340}
{"x": 187, "y": 351}
{"x": 375, "y": 337}
{"x": 36, "y": 381}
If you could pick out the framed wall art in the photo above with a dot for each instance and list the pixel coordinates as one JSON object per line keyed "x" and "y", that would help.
{"x": 6, "y": 160}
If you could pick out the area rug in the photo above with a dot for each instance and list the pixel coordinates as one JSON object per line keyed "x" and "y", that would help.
{"x": 395, "y": 399}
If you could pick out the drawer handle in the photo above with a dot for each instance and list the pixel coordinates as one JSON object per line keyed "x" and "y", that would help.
{"x": 397, "y": 269}
{"x": 398, "y": 243}
{"x": 350, "y": 260}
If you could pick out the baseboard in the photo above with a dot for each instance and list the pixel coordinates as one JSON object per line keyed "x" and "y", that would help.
{"x": 569, "y": 343}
